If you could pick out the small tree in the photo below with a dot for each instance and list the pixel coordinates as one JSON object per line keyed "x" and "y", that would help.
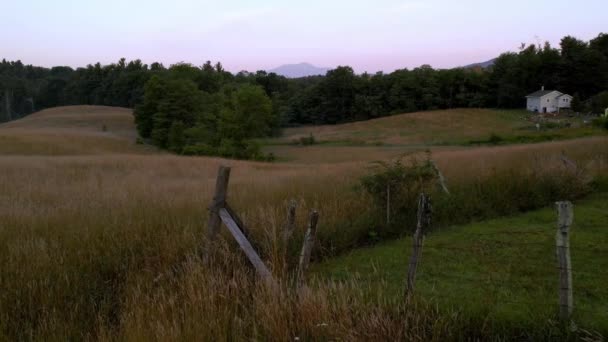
{"x": 404, "y": 180}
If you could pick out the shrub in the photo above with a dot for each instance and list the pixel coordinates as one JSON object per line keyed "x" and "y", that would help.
{"x": 404, "y": 181}
{"x": 495, "y": 139}
{"x": 199, "y": 149}
{"x": 601, "y": 122}
{"x": 497, "y": 194}
{"x": 305, "y": 141}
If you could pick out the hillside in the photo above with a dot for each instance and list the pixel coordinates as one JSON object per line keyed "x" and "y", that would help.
{"x": 117, "y": 229}
{"x": 440, "y": 130}
{"x": 72, "y": 130}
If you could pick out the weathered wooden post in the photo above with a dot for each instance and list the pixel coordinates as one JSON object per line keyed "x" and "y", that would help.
{"x": 388, "y": 203}
{"x": 562, "y": 243}
{"x": 218, "y": 202}
{"x": 423, "y": 222}
{"x": 309, "y": 241}
{"x": 290, "y": 225}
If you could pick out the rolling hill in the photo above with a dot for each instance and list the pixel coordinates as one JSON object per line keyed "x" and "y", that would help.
{"x": 72, "y": 130}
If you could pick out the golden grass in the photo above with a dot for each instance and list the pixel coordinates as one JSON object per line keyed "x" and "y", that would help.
{"x": 420, "y": 127}
{"x": 75, "y": 130}
{"x": 104, "y": 245}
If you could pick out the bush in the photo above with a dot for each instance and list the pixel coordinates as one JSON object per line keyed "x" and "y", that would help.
{"x": 305, "y": 141}
{"x": 498, "y": 194}
{"x": 601, "y": 122}
{"x": 199, "y": 149}
{"x": 495, "y": 139}
{"x": 405, "y": 181}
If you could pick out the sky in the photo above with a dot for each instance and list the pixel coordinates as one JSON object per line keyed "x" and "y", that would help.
{"x": 372, "y": 35}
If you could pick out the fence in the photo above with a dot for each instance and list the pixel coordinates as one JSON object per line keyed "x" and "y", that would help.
{"x": 221, "y": 212}
{"x": 564, "y": 290}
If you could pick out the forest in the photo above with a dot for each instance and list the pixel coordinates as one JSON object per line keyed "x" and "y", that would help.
{"x": 207, "y": 110}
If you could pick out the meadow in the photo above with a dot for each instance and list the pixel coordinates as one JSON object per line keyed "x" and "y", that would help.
{"x": 102, "y": 237}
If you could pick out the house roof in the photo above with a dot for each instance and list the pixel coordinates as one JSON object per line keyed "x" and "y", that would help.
{"x": 540, "y": 93}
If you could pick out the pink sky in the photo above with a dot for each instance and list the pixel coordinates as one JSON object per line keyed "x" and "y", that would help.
{"x": 251, "y": 35}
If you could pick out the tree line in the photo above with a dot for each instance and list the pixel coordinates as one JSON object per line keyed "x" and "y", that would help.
{"x": 208, "y": 110}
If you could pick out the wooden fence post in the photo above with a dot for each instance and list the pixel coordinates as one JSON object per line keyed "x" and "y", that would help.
{"x": 291, "y": 222}
{"x": 218, "y": 202}
{"x": 309, "y": 241}
{"x": 562, "y": 244}
{"x": 423, "y": 222}
{"x": 388, "y": 203}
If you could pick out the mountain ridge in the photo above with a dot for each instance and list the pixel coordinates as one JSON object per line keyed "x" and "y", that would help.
{"x": 297, "y": 70}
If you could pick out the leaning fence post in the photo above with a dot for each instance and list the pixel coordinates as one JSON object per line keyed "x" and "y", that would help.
{"x": 218, "y": 202}
{"x": 309, "y": 241}
{"x": 562, "y": 244}
{"x": 423, "y": 222}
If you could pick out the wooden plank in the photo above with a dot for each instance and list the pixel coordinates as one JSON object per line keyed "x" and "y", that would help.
{"x": 237, "y": 219}
{"x": 565, "y": 218}
{"x": 423, "y": 223}
{"x": 309, "y": 241}
{"x": 251, "y": 254}
{"x": 219, "y": 200}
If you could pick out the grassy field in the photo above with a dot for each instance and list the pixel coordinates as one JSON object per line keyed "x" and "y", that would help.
{"x": 503, "y": 269}
{"x": 405, "y": 133}
{"x": 100, "y": 236}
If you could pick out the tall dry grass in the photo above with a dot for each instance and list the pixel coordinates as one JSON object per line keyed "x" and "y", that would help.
{"x": 106, "y": 247}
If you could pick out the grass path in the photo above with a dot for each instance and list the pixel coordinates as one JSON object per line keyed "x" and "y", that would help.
{"x": 503, "y": 269}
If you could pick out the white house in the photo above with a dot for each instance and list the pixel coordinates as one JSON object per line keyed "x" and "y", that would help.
{"x": 548, "y": 101}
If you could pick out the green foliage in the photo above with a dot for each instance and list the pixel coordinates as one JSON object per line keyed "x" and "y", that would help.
{"x": 514, "y": 259}
{"x": 179, "y": 116}
{"x": 405, "y": 181}
{"x": 577, "y": 67}
{"x": 495, "y": 139}
{"x": 306, "y": 141}
{"x": 601, "y": 122}
{"x": 176, "y": 139}
{"x": 498, "y": 194}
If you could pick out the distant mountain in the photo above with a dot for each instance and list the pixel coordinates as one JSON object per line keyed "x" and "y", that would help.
{"x": 482, "y": 65}
{"x": 299, "y": 70}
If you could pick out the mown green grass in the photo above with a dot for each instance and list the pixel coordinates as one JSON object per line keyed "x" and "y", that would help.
{"x": 503, "y": 269}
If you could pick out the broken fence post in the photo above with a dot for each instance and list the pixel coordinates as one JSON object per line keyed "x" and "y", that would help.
{"x": 309, "y": 241}
{"x": 291, "y": 222}
{"x": 218, "y": 202}
{"x": 388, "y": 203}
{"x": 562, "y": 244}
{"x": 423, "y": 222}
